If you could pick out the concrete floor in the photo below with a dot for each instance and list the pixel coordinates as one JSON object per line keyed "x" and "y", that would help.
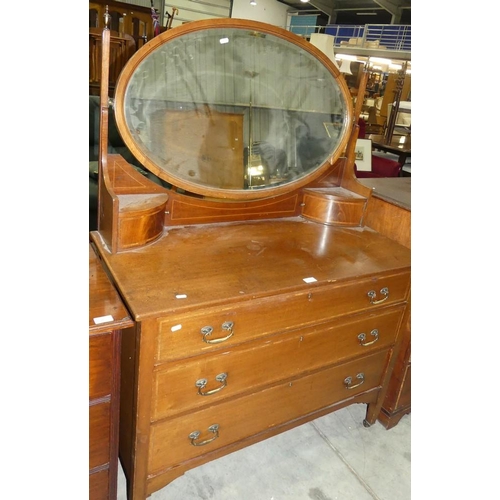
{"x": 331, "y": 458}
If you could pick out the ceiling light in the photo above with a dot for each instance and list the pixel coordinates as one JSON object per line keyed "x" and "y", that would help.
{"x": 304, "y": 1}
{"x": 253, "y": 2}
{"x": 380, "y": 60}
{"x": 346, "y": 57}
{"x": 366, "y": 13}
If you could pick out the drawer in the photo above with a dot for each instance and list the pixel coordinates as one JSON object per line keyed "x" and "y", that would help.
{"x": 99, "y": 434}
{"x": 336, "y": 206}
{"x": 195, "y": 333}
{"x": 246, "y": 416}
{"x": 99, "y": 485}
{"x": 256, "y": 364}
{"x": 100, "y": 365}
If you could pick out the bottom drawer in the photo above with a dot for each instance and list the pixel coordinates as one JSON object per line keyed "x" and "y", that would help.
{"x": 172, "y": 441}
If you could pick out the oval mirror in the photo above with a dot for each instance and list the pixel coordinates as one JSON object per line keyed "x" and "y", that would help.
{"x": 233, "y": 109}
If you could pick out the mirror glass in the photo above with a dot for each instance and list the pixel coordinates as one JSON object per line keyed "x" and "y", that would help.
{"x": 229, "y": 108}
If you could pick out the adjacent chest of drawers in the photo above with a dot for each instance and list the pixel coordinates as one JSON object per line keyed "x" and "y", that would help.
{"x": 246, "y": 330}
{"x": 389, "y": 213}
{"x": 107, "y": 317}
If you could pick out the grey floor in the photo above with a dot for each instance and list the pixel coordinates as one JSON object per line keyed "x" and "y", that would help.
{"x": 331, "y": 458}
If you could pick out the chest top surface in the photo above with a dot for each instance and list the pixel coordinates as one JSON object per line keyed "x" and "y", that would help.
{"x": 216, "y": 263}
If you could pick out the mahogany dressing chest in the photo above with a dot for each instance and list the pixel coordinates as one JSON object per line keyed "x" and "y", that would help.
{"x": 261, "y": 300}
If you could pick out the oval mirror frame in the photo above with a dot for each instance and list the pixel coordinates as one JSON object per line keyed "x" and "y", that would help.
{"x": 222, "y": 134}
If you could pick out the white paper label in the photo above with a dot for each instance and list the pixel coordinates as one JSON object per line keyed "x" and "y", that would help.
{"x": 103, "y": 319}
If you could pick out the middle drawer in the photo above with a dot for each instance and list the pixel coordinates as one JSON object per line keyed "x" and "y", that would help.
{"x": 176, "y": 440}
{"x": 185, "y": 385}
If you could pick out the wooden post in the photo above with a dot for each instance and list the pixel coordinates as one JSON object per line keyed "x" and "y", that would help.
{"x": 395, "y": 105}
{"x": 351, "y": 145}
{"x": 360, "y": 98}
{"x": 104, "y": 106}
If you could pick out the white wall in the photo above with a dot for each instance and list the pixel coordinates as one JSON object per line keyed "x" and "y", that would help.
{"x": 267, "y": 11}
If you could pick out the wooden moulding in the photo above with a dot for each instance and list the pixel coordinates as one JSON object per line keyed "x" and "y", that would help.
{"x": 334, "y": 206}
{"x": 132, "y": 207}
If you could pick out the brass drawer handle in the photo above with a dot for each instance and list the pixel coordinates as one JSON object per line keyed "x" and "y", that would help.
{"x": 196, "y": 434}
{"x": 348, "y": 381}
{"x": 362, "y": 337}
{"x": 372, "y": 294}
{"x": 202, "y": 382}
{"x": 207, "y": 330}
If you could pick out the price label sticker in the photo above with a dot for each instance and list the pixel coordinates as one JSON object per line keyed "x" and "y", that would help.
{"x": 310, "y": 280}
{"x": 103, "y": 319}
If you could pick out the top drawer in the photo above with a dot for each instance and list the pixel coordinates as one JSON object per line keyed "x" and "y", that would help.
{"x": 212, "y": 328}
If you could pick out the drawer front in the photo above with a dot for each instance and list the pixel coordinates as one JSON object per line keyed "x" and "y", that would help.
{"x": 100, "y": 365}
{"x": 195, "y": 333}
{"x": 99, "y": 485}
{"x": 99, "y": 434}
{"x": 347, "y": 210}
{"x": 256, "y": 364}
{"x": 246, "y": 416}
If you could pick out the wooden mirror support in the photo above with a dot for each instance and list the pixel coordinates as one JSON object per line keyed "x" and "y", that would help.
{"x": 330, "y": 193}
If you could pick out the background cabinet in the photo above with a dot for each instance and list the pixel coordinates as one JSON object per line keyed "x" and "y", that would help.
{"x": 126, "y": 19}
{"x": 122, "y": 48}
